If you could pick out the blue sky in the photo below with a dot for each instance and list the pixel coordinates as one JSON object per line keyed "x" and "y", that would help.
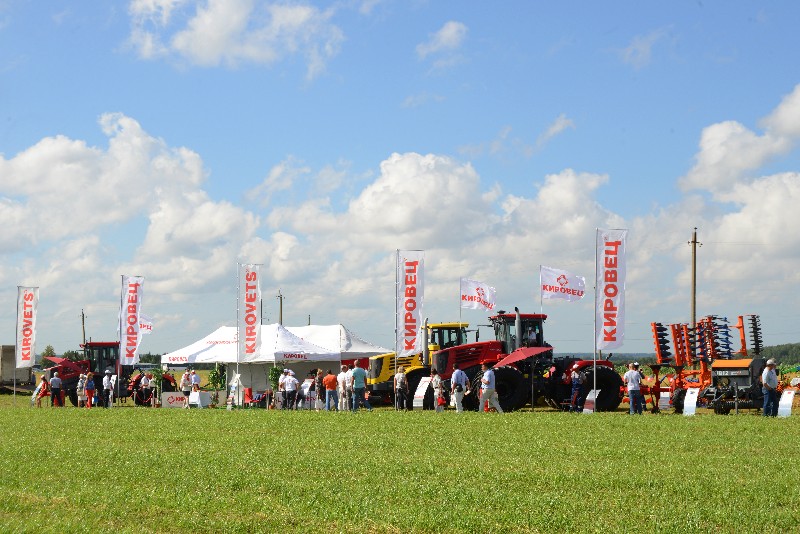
{"x": 173, "y": 138}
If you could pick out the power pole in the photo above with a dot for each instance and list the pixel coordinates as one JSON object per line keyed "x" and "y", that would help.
{"x": 83, "y": 326}
{"x": 694, "y": 244}
{"x": 280, "y": 307}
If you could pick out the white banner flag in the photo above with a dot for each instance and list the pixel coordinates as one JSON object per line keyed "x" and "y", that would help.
{"x": 477, "y": 295}
{"x": 145, "y": 324}
{"x": 145, "y": 327}
{"x": 27, "y": 305}
{"x": 249, "y": 322}
{"x": 561, "y": 284}
{"x": 130, "y": 308}
{"x": 410, "y": 294}
{"x": 610, "y": 268}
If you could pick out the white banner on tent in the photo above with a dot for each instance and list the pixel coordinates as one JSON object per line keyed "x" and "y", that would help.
{"x": 561, "y": 284}
{"x": 410, "y": 295}
{"x": 129, "y": 315}
{"x": 477, "y": 295}
{"x": 27, "y": 306}
{"x": 249, "y": 315}
{"x": 610, "y": 269}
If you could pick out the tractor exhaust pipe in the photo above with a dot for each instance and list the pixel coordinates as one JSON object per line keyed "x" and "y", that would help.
{"x": 518, "y": 327}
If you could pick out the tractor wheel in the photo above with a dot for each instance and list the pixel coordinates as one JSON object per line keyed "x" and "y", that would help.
{"x": 413, "y": 382}
{"x": 471, "y": 401}
{"x": 73, "y": 396}
{"x": 678, "y": 397}
{"x": 511, "y": 388}
{"x": 609, "y": 383}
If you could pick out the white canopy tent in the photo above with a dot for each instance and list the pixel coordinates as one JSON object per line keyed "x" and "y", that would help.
{"x": 278, "y": 347}
{"x": 337, "y": 337}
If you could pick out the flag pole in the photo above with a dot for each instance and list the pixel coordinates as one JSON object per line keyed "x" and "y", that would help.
{"x": 541, "y": 298}
{"x": 16, "y": 348}
{"x": 594, "y": 333}
{"x": 396, "y": 318}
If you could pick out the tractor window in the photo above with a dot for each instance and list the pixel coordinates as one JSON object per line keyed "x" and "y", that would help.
{"x": 532, "y": 332}
{"x": 452, "y": 337}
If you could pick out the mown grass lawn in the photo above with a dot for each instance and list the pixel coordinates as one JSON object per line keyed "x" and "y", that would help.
{"x": 160, "y": 470}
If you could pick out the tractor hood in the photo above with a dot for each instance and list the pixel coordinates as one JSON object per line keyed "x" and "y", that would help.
{"x": 522, "y": 354}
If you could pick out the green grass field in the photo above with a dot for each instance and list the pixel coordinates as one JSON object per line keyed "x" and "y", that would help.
{"x": 137, "y": 469}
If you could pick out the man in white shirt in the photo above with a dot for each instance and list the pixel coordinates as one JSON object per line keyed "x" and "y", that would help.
{"x": 145, "y": 385}
{"x": 195, "y": 381}
{"x": 769, "y": 386}
{"x": 348, "y": 386}
{"x": 107, "y": 387}
{"x": 282, "y": 388}
{"x": 341, "y": 383}
{"x": 633, "y": 378}
{"x": 488, "y": 391}
{"x": 55, "y": 390}
{"x": 290, "y": 385}
{"x": 460, "y": 385}
{"x": 400, "y": 389}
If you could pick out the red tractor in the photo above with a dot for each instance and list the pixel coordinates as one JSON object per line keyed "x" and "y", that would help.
{"x": 99, "y": 356}
{"x": 524, "y": 366}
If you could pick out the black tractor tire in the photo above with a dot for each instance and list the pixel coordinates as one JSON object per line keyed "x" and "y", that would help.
{"x": 413, "y": 382}
{"x": 72, "y": 394}
{"x": 610, "y": 385}
{"x": 678, "y": 396}
{"x": 512, "y": 390}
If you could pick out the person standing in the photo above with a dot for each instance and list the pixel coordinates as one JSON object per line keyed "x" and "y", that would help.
{"x": 282, "y": 388}
{"x": 89, "y": 388}
{"x": 341, "y": 384}
{"x": 80, "y": 390}
{"x": 186, "y": 388}
{"x": 633, "y": 379}
{"x": 400, "y": 389}
{"x": 42, "y": 391}
{"x": 331, "y": 398}
{"x": 107, "y": 386}
{"x": 195, "y": 381}
{"x": 488, "y": 391}
{"x": 55, "y": 390}
{"x": 359, "y": 378}
{"x": 319, "y": 388}
{"x": 460, "y": 382}
{"x": 348, "y": 385}
{"x": 438, "y": 394}
{"x": 575, "y": 400}
{"x": 769, "y": 386}
{"x": 144, "y": 384}
{"x": 290, "y": 386}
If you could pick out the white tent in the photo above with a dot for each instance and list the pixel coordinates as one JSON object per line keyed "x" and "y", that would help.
{"x": 338, "y": 338}
{"x": 277, "y": 345}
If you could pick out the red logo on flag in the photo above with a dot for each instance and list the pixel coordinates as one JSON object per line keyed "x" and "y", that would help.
{"x": 562, "y": 281}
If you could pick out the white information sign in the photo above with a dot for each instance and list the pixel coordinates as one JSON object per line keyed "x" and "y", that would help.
{"x": 785, "y": 404}
{"x": 199, "y": 399}
{"x": 172, "y": 399}
{"x": 663, "y": 402}
{"x": 690, "y": 402}
{"x": 588, "y": 404}
{"x": 419, "y": 394}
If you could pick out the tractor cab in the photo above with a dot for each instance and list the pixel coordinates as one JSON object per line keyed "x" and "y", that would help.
{"x": 528, "y": 332}
{"x": 102, "y": 355}
{"x": 446, "y": 335}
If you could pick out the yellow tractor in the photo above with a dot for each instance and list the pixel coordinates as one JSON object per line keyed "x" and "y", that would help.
{"x": 383, "y": 367}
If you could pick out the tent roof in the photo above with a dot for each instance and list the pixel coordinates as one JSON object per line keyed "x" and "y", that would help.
{"x": 277, "y": 344}
{"x": 337, "y": 337}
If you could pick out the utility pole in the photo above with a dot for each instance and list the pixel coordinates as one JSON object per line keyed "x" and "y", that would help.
{"x": 280, "y": 307}
{"x": 694, "y": 244}
{"x": 83, "y": 326}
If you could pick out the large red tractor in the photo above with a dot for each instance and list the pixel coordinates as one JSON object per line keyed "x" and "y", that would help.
{"x": 525, "y": 368}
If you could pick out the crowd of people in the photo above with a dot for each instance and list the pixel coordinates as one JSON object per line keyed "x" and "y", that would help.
{"x": 345, "y": 391}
